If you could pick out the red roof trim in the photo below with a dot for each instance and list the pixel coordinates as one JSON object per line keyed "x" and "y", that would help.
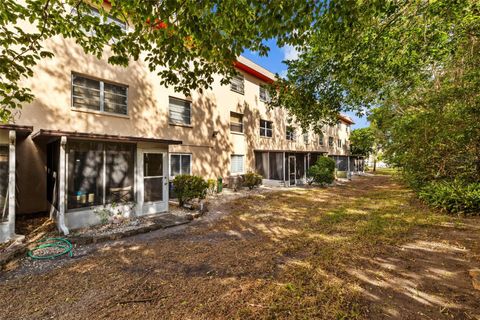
{"x": 253, "y": 72}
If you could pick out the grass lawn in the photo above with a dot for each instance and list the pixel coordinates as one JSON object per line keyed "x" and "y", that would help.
{"x": 363, "y": 250}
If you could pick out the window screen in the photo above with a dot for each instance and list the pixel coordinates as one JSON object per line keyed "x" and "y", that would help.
{"x": 236, "y": 122}
{"x": 266, "y": 128}
{"x": 119, "y": 165}
{"x": 276, "y": 165}
{"x": 263, "y": 94}
{"x": 237, "y": 84}
{"x": 180, "y": 111}
{"x": 180, "y": 164}
{"x": 98, "y": 95}
{"x": 85, "y": 93}
{"x": 99, "y": 173}
{"x": 261, "y": 163}
{"x": 237, "y": 164}
{"x": 85, "y": 174}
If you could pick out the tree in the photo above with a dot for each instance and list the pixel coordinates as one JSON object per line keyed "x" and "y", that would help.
{"x": 362, "y": 142}
{"x": 185, "y": 42}
{"x": 362, "y": 53}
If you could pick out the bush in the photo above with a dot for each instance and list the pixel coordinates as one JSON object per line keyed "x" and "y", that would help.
{"x": 453, "y": 196}
{"x": 323, "y": 171}
{"x": 189, "y": 187}
{"x": 252, "y": 180}
{"x": 212, "y": 185}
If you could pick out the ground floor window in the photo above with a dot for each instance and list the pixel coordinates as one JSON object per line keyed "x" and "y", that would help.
{"x": 237, "y": 165}
{"x": 99, "y": 173}
{"x": 180, "y": 164}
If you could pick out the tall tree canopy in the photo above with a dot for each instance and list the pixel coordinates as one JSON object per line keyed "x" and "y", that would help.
{"x": 363, "y": 53}
{"x": 191, "y": 40}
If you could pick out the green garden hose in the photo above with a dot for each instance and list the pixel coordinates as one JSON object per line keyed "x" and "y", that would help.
{"x": 57, "y": 243}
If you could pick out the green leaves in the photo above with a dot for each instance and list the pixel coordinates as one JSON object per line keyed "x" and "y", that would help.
{"x": 188, "y": 40}
{"x": 362, "y": 141}
{"x": 361, "y": 53}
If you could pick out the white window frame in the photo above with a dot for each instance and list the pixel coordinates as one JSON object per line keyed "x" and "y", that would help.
{"x": 306, "y": 138}
{"x": 170, "y": 163}
{"x": 102, "y": 95}
{"x": 241, "y": 88}
{"x": 267, "y": 95}
{"x": 237, "y": 123}
{"x": 321, "y": 139}
{"x": 265, "y": 129}
{"x": 180, "y": 123}
{"x": 292, "y": 136}
{"x": 243, "y": 164}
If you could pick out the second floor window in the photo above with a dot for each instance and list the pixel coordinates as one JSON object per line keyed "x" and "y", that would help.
{"x": 305, "y": 138}
{"x": 99, "y": 95}
{"x": 263, "y": 94}
{"x": 237, "y": 84}
{"x": 320, "y": 138}
{"x": 290, "y": 133}
{"x": 236, "y": 122}
{"x": 330, "y": 141}
{"x": 179, "y": 111}
{"x": 266, "y": 128}
{"x": 339, "y": 143}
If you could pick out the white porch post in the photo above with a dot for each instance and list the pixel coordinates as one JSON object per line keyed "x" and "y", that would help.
{"x": 62, "y": 174}
{"x": 12, "y": 139}
{"x": 305, "y": 156}
{"x": 139, "y": 183}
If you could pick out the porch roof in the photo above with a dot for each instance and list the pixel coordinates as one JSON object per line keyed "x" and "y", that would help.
{"x": 42, "y": 133}
{"x": 22, "y": 130}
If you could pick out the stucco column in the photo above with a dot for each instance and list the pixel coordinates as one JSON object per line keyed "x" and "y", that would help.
{"x": 62, "y": 174}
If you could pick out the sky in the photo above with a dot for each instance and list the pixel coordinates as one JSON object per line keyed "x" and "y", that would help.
{"x": 273, "y": 62}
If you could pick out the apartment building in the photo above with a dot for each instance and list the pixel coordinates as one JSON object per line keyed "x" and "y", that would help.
{"x": 98, "y": 134}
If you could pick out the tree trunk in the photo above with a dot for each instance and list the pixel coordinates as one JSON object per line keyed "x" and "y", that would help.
{"x": 374, "y": 164}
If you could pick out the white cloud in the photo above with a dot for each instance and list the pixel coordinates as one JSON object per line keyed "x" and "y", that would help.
{"x": 283, "y": 74}
{"x": 289, "y": 53}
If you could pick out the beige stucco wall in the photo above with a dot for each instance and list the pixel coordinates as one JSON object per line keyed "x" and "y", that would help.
{"x": 148, "y": 117}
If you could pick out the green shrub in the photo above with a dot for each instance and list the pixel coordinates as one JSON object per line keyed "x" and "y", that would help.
{"x": 323, "y": 171}
{"x": 189, "y": 187}
{"x": 252, "y": 180}
{"x": 453, "y": 196}
{"x": 212, "y": 185}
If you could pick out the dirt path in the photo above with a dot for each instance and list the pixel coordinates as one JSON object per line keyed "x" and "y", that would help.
{"x": 363, "y": 250}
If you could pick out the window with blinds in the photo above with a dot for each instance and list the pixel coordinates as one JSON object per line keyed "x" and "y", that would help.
{"x": 180, "y": 111}
{"x": 266, "y": 128}
{"x": 237, "y": 164}
{"x": 237, "y": 84}
{"x": 236, "y": 122}
{"x": 99, "y": 95}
